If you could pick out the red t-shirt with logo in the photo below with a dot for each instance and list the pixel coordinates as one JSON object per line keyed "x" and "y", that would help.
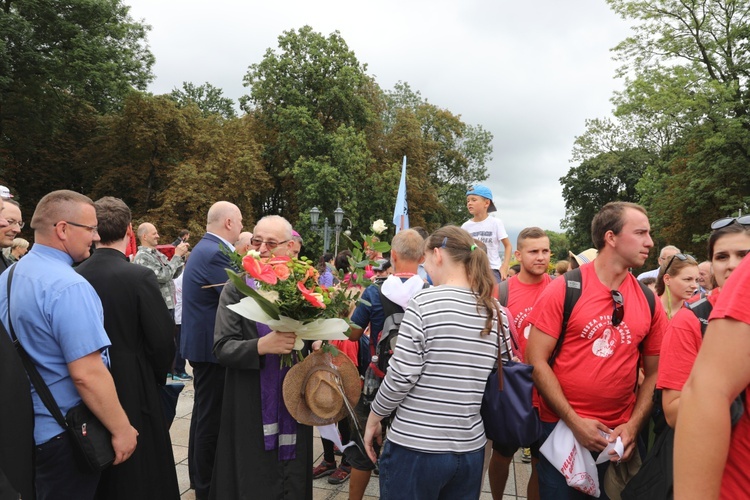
{"x": 680, "y": 346}
{"x": 521, "y": 298}
{"x": 733, "y": 303}
{"x": 597, "y": 366}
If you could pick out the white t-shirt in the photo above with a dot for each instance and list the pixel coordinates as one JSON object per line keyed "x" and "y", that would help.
{"x": 490, "y": 232}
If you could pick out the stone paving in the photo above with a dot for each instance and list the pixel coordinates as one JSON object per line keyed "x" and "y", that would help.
{"x": 515, "y": 489}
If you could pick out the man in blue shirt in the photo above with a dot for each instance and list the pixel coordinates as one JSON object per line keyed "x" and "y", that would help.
{"x": 58, "y": 319}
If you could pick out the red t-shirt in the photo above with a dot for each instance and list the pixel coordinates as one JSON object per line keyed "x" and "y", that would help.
{"x": 680, "y": 346}
{"x": 521, "y": 298}
{"x": 733, "y": 303}
{"x": 597, "y": 366}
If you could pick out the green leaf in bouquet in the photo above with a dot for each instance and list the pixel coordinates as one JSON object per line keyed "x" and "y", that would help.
{"x": 381, "y": 246}
{"x": 239, "y": 281}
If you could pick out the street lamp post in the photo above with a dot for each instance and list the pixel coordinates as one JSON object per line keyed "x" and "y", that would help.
{"x": 338, "y": 218}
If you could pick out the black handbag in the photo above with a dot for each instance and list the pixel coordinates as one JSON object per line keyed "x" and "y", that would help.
{"x": 655, "y": 479}
{"x": 92, "y": 442}
{"x": 507, "y": 411}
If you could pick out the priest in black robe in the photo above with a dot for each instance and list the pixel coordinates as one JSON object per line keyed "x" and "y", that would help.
{"x": 262, "y": 452}
{"x": 140, "y": 328}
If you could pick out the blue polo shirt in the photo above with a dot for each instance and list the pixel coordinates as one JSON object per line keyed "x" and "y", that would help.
{"x": 58, "y": 318}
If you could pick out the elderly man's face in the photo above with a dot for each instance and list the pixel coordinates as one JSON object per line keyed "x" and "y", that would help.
{"x": 269, "y": 238}
{"x": 12, "y": 214}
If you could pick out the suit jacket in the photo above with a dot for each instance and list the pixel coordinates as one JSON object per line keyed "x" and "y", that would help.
{"x": 207, "y": 265}
{"x": 141, "y": 330}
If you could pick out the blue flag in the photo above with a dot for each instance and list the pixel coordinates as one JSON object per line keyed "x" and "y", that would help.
{"x": 401, "y": 212}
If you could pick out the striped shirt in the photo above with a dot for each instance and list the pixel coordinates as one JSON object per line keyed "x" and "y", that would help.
{"x": 436, "y": 377}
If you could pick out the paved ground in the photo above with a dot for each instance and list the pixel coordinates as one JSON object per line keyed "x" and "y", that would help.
{"x": 321, "y": 489}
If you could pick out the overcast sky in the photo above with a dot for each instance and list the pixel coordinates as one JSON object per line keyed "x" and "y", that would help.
{"x": 528, "y": 72}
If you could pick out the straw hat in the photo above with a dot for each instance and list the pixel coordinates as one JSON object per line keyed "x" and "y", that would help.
{"x": 582, "y": 258}
{"x": 311, "y": 389}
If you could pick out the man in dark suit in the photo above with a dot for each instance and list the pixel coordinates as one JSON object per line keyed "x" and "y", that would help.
{"x": 203, "y": 279}
{"x": 140, "y": 327}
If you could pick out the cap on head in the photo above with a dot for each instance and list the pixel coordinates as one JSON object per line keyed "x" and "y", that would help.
{"x": 484, "y": 192}
{"x": 5, "y": 193}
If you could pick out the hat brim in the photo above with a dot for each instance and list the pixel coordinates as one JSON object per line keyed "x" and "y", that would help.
{"x": 292, "y": 388}
{"x": 492, "y": 207}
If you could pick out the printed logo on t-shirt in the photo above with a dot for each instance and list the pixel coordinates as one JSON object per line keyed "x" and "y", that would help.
{"x": 519, "y": 319}
{"x": 604, "y": 346}
{"x": 484, "y": 236}
{"x": 607, "y": 337}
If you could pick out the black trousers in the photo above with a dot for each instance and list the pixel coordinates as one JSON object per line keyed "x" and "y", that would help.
{"x": 208, "y": 383}
{"x": 57, "y": 473}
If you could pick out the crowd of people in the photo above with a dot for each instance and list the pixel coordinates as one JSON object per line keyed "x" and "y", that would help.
{"x": 616, "y": 358}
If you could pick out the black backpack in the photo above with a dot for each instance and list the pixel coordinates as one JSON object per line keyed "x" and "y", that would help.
{"x": 573, "y": 291}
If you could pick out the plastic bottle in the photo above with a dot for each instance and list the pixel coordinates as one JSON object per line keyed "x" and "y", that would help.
{"x": 372, "y": 382}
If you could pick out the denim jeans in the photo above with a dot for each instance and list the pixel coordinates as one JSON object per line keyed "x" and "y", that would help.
{"x": 412, "y": 475}
{"x": 552, "y": 484}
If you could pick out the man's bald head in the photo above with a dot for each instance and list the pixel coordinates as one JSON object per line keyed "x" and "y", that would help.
{"x": 225, "y": 220}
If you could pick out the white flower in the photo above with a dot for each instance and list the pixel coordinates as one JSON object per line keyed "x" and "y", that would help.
{"x": 379, "y": 226}
{"x": 270, "y": 295}
{"x": 253, "y": 253}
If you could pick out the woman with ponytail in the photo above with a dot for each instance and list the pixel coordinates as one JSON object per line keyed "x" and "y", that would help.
{"x": 447, "y": 346}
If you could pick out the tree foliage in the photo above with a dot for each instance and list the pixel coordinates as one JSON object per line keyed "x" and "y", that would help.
{"x": 208, "y": 98}
{"x": 684, "y": 108}
{"x": 316, "y": 129}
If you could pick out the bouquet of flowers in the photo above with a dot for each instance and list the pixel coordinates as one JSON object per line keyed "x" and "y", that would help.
{"x": 288, "y": 298}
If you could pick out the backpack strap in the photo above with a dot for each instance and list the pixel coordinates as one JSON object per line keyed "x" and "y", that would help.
{"x": 502, "y": 293}
{"x": 572, "y": 294}
{"x": 650, "y": 298}
{"x": 702, "y": 309}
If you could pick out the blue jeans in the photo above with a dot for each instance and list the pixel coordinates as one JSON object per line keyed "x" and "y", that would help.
{"x": 412, "y": 475}
{"x": 552, "y": 484}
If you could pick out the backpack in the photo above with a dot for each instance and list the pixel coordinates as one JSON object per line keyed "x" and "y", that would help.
{"x": 702, "y": 309}
{"x": 572, "y": 294}
{"x": 386, "y": 338}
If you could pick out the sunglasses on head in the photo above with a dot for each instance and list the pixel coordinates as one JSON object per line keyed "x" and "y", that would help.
{"x": 719, "y": 223}
{"x": 619, "y": 311}
{"x": 681, "y": 256}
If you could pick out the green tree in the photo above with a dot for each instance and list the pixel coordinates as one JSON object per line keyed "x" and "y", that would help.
{"x": 208, "y": 98}
{"x": 686, "y": 99}
{"x": 301, "y": 96}
{"x": 58, "y": 63}
{"x": 559, "y": 245}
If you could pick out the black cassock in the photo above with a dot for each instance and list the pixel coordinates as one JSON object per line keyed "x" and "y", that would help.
{"x": 243, "y": 469}
{"x": 141, "y": 331}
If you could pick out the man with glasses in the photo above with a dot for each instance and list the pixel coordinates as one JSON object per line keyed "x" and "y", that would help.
{"x": 202, "y": 282}
{"x": 590, "y": 385}
{"x": 666, "y": 253}
{"x": 11, "y": 213}
{"x": 57, "y": 317}
{"x": 262, "y": 451}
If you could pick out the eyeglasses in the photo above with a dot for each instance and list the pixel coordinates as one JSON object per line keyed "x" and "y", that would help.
{"x": 619, "y": 311}
{"x": 719, "y": 223}
{"x": 257, "y": 242}
{"x": 92, "y": 229}
{"x": 13, "y": 222}
{"x": 683, "y": 257}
